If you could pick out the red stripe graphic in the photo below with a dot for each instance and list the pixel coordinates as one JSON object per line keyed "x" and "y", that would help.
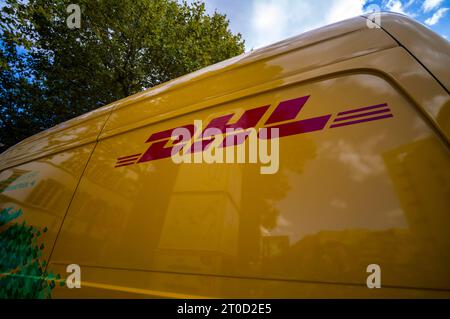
{"x": 298, "y": 127}
{"x": 363, "y": 109}
{"x": 287, "y": 110}
{"x": 128, "y": 160}
{"x": 363, "y": 120}
{"x": 338, "y": 119}
{"x": 125, "y": 157}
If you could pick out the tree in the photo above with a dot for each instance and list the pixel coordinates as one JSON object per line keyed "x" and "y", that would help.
{"x": 51, "y": 73}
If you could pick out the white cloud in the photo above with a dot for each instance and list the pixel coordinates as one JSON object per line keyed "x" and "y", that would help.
{"x": 275, "y": 20}
{"x": 436, "y": 16}
{"x": 344, "y": 9}
{"x": 399, "y": 7}
{"x": 269, "y": 21}
{"x": 262, "y": 22}
{"x": 429, "y": 5}
{"x": 362, "y": 161}
{"x": 395, "y": 6}
{"x": 410, "y": 2}
{"x": 268, "y": 15}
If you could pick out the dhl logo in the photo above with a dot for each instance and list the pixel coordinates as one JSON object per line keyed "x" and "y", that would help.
{"x": 284, "y": 118}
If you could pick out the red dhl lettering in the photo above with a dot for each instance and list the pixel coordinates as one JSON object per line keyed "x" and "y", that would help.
{"x": 283, "y": 117}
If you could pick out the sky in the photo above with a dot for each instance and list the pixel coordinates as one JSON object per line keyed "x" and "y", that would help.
{"x": 262, "y": 22}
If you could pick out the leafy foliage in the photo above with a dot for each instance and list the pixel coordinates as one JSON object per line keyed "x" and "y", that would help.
{"x": 51, "y": 73}
{"x": 22, "y": 275}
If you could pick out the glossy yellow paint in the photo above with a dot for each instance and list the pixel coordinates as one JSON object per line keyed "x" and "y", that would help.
{"x": 371, "y": 193}
{"x": 43, "y": 189}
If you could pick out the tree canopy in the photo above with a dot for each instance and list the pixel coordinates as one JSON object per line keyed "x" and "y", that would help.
{"x": 50, "y": 73}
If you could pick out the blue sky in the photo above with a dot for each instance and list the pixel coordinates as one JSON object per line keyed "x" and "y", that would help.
{"x": 262, "y": 22}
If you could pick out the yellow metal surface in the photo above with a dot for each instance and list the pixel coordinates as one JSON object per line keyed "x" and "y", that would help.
{"x": 344, "y": 197}
{"x": 43, "y": 189}
{"x": 428, "y": 47}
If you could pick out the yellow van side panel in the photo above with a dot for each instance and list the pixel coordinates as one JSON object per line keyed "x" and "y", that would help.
{"x": 344, "y": 197}
{"x": 43, "y": 189}
{"x": 97, "y": 283}
{"x": 428, "y": 47}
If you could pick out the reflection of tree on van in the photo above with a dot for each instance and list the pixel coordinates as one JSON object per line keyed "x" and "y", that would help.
{"x": 22, "y": 274}
{"x": 16, "y": 174}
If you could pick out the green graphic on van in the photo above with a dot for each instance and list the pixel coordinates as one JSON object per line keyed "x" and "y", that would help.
{"x": 22, "y": 274}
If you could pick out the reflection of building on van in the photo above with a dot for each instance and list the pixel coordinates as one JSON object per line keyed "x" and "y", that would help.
{"x": 345, "y": 196}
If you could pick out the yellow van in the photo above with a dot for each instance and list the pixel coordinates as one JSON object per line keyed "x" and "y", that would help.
{"x": 357, "y": 205}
